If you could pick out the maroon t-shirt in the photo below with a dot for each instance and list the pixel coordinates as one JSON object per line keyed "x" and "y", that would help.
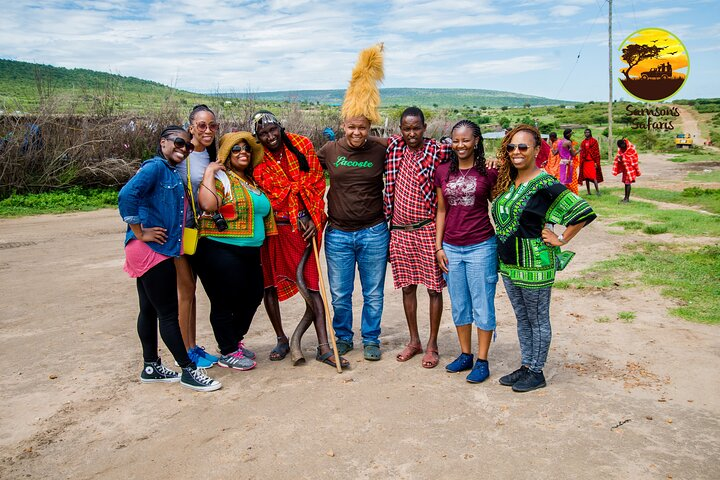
{"x": 466, "y": 195}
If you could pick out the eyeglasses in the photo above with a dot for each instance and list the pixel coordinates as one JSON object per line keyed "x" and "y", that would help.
{"x": 241, "y": 148}
{"x": 523, "y": 147}
{"x": 202, "y": 126}
{"x": 181, "y": 143}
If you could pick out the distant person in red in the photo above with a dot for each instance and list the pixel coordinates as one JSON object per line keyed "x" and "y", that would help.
{"x": 544, "y": 155}
{"x": 552, "y": 165}
{"x": 590, "y": 170}
{"x": 626, "y": 162}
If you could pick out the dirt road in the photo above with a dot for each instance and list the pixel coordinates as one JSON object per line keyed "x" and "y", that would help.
{"x": 624, "y": 400}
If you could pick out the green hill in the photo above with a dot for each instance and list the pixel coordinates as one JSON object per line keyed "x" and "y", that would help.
{"x": 23, "y": 86}
{"x": 423, "y": 97}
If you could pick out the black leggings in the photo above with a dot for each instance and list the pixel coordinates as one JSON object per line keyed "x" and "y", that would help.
{"x": 233, "y": 280}
{"x": 157, "y": 291}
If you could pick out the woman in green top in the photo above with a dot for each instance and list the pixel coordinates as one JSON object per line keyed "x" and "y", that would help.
{"x": 237, "y": 217}
{"x": 528, "y": 201}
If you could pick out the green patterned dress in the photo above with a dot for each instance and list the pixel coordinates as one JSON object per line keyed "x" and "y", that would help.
{"x": 520, "y": 214}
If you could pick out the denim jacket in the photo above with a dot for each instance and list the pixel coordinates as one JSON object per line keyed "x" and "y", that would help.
{"x": 155, "y": 197}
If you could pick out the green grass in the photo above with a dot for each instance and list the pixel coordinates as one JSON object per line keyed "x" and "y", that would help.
{"x": 72, "y": 200}
{"x": 695, "y": 155}
{"x": 627, "y": 317}
{"x": 707, "y": 199}
{"x": 679, "y": 222}
{"x": 712, "y": 176}
{"x": 603, "y": 319}
{"x": 690, "y": 275}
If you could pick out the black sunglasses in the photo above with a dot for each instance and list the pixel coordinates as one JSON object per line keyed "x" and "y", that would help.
{"x": 181, "y": 143}
{"x": 523, "y": 147}
{"x": 241, "y": 148}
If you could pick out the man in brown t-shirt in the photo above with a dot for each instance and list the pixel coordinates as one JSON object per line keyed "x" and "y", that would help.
{"x": 356, "y": 233}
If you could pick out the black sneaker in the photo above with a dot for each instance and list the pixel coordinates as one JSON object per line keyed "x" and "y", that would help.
{"x": 156, "y": 372}
{"x": 530, "y": 381}
{"x": 195, "y": 378}
{"x": 511, "y": 378}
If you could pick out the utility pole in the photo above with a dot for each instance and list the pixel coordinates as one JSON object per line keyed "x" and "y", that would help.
{"x": 610, "y": 84}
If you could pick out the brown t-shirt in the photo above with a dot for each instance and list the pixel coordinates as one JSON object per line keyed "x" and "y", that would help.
{"x": 355, "y": 198}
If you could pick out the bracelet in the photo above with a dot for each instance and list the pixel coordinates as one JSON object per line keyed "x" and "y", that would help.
{"x": 302, "y": 214}
{"x": 438, "y": 250}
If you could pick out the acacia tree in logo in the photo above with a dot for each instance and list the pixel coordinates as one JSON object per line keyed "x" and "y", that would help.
{"x": 656, "y": 57}
{"x": 636, "y": 53}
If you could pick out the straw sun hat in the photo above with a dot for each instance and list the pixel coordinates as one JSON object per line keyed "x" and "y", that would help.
{"x": 231, "y": 139}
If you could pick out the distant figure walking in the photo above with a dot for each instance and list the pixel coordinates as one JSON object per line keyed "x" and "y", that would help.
{"x": 626, "y": 162}
{"x": 590, "y": 170}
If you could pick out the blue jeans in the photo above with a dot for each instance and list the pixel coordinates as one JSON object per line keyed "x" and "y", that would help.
{"x": 532, "y": 310}
{"x": 471, "y": 279}
{"x": 368, "y": 248}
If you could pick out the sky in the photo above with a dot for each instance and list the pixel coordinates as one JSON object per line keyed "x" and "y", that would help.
{"x": 556, "y": 49}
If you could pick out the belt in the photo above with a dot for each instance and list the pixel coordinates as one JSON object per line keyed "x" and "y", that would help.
{"x": 412, "y": 226}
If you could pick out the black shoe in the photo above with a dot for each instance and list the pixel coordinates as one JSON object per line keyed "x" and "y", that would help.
{"x": 511, "y": 378}
{"x": 530, "y": 381}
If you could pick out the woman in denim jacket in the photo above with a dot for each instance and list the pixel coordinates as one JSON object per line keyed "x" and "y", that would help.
{"x": 153, "y": 203}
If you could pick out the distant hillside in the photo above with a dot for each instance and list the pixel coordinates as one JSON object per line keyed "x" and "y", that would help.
{"x": 423, "y": 97}
{"x": 22, "y": 84}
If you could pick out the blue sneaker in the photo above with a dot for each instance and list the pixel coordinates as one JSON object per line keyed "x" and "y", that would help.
{"x": 480, "y": 372}
{"x": 460, "y": 364}
{"x": 202, "y": 353}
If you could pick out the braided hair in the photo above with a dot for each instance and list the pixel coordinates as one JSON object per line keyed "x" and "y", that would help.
{"x": 167, "y": 131}
{"x": 479, "y": 162}
{"x": 265, "y": 117}
{"x": 212, "y": 148}
{"x": 507, "y": 172}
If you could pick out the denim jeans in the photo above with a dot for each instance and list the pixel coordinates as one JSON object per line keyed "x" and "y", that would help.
{"x": 368, "y": 249}
{"x": 471, "y": 279}
{"x": 532, "y": 310}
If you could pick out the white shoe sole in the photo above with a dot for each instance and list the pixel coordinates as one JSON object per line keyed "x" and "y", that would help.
{"x": 160, "y": 380}
{"x": 209, "y": 388}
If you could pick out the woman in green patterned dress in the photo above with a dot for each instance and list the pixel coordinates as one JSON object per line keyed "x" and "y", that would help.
{"x": 528, "y": 202}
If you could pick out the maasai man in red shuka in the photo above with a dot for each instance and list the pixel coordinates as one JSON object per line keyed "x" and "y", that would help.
{"x": 590, "y": 170}
{"x": 291, "y": 177}
{"x": 626, "y": 162}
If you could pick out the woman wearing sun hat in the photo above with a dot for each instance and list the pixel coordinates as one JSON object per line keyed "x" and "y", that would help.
{"x": 228, "y": 255}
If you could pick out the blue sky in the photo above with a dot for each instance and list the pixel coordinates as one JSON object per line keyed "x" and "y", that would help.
{"x": 524, "y": 46}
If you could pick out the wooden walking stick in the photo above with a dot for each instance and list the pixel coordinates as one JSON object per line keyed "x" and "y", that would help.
{"x": 323, "y": 294}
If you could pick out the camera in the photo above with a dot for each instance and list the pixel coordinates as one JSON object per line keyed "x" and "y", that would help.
{"x": 220, "y": 222}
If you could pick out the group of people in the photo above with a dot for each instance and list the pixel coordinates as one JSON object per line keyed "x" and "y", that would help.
{"x": 258, "y": 202}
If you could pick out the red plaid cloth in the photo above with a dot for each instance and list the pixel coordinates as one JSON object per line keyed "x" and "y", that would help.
{"x": 433, "y": 154}
{"x": 282, "y": 181}
{"x": 280, "y": 255}
{"x": 627, "y": 163}
{"x": 590, "y": 161}
{"x": 412, "y": 253}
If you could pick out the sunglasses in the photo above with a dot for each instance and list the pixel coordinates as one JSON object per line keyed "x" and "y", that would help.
{"x": 202, "y": 126}
{"x": 521, "y": 146}
{"x": 241, "y": 148}
{"x": 181, "y": 143}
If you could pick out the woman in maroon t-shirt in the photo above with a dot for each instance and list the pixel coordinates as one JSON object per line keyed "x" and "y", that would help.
{"x": 465, "y": 244}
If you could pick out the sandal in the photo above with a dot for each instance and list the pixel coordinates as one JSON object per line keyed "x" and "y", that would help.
{"x": 280, "y": 351}
{"x": 329, "y": 359}
{"x": 372, "y": 352}
{"x": 431, "y": 358}
{"x": 409, "y": 352}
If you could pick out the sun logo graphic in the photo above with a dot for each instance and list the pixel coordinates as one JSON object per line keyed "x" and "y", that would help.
{"x": 656, "y": 64}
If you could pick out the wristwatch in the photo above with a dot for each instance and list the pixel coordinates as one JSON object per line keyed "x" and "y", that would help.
{"x": 561, "y": 239}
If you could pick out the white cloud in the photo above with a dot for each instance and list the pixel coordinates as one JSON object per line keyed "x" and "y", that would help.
{"x": 565, "y": 10}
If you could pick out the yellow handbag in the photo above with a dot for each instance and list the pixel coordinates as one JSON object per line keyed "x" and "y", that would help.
{"x": 190, "y": 234}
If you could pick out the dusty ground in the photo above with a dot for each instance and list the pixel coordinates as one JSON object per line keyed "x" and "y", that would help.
{"x": 624, "y": 400}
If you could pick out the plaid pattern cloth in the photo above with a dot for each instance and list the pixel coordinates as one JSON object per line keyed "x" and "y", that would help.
{"x": 280, "y": 255}
{"x": 627, "y": 163}
{"x": 412, "y": 253}
{"x": 283, "y": 182}
{"x": 433, "y": 154}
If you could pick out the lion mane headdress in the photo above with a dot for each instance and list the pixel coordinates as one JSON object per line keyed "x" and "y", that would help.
{"x": 362, "y": 97}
